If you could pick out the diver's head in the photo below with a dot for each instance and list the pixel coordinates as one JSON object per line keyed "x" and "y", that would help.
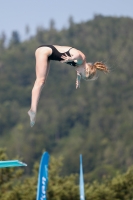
{"x": 88, "y": 71}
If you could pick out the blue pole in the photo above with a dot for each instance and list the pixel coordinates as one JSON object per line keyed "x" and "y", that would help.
{"x": 43, "y": 177}
{"x": 82, "y": 196}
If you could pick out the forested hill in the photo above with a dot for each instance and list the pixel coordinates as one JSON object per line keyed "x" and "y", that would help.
{"x": 95, "y": 120}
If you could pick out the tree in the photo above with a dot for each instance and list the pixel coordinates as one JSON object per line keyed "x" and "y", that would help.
{"x": 52, "y": 24}
{"x": 2, "y": 41}
{"x": 15, "y": 38}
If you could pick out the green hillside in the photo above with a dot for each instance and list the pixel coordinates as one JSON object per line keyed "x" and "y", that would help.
{"x": 95, "y": 120}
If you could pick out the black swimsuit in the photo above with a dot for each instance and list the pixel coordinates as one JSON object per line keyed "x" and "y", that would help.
{"x": 56, "y": 55}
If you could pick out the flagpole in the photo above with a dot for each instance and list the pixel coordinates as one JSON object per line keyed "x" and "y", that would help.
{"x": 81, "y": 180}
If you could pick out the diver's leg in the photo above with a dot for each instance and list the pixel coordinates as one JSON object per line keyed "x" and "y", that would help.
{"x": 42, "y": 68}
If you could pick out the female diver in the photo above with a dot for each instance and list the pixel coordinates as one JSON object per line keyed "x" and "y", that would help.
{"x": 64, "y": 54}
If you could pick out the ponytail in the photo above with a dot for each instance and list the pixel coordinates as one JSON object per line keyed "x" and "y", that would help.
{"x": 100, "y": 66}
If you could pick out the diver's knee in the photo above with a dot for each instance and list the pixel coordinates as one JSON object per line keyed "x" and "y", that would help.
{"x": 40, "y": 81}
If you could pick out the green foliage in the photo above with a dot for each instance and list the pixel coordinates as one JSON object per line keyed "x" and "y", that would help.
{"x": 8, "y": 180}
{"x": 15, "y": 39}
{"x": 15, "y": 185}
{"x": 95, "y": 120}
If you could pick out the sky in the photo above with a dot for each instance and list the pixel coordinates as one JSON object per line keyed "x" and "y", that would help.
{"x": 15, "y": 15}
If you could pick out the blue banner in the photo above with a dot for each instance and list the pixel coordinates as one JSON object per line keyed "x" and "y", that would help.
{"x": 82, "y": 196}
{"x": 43, "y": 177}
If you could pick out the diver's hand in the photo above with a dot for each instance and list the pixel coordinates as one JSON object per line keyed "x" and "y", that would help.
{"x": 66, "y": 58}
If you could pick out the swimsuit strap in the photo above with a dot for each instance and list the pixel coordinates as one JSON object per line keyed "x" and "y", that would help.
{"x": 70, "y": 48}
{"x": 68, "y": 51}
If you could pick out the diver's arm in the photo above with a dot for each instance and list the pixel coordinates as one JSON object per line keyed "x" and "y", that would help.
{"x": 76, "y": 57}
{"x": 78, "y": 80}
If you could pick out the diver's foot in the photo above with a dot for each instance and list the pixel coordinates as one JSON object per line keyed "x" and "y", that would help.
{"x": 32, "y": 115}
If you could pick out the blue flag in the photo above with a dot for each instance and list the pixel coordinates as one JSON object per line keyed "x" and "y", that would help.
{"x": 82, "y": 196}
{"x": 43, "y": 177}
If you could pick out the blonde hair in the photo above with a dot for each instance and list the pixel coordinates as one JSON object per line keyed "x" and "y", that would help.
{"x": 92, "y": 68}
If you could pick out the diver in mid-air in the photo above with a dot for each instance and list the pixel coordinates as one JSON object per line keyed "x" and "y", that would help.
{"x": 64, "y": 54}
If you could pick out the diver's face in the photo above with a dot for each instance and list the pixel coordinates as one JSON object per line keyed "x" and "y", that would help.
{"x": 85, "y": 72}
{"x": 81, "y": 70}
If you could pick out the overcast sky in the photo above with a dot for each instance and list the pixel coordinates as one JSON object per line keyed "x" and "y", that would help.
{"x": 15, "y": 15}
